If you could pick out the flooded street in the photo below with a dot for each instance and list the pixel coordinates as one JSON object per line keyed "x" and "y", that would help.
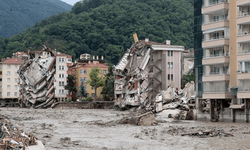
{"x": 83, "y": 129}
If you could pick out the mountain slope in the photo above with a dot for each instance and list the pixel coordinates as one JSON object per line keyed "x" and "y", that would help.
{"x": 105, "y": 27}
{"x": 16, "y": 16}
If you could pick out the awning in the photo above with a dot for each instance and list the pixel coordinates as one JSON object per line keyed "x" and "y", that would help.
{"x": 237, "y": 106}
{"x": 213, "y": 30}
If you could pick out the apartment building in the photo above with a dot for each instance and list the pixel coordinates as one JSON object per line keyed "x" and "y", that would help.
{"x": 82, "y": 69}
{"x": 9, "y": 80}
{"x": 222, "y": 58}
{"x": 63, "y": 61}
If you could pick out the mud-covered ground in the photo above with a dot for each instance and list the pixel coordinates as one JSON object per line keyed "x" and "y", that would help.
{"x": 82, "y": 129}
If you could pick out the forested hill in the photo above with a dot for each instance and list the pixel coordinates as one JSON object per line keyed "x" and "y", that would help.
{"x": 17, "y": 15}
{"x": 105, "y": 27}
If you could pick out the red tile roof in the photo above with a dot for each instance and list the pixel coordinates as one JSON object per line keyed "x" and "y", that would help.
{"x": 13, "y": 61}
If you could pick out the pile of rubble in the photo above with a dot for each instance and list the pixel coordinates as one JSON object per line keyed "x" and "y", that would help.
{"x": 37, "y": 79}
{"x": 13, "y": 138}
{"x": 182, "y": 102}
{"x": 211, "y": 133}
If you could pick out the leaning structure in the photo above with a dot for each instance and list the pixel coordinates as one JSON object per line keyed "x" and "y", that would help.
{"x": 36, "y": 83}
{"x": 146, "y": 69}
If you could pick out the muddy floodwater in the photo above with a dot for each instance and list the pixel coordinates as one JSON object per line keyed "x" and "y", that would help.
{"x": 83, "y": 129}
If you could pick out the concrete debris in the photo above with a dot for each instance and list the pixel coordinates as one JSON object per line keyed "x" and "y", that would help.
{"x": 211, "y": 133}
{"x": 37, "y": 79}
{"x": 13, "y": 138}
{"x": 140, "y": 82}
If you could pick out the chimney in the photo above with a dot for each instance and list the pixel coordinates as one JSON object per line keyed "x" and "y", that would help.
{"x": 146, "y": 40}
{"x": 168, "y": 42}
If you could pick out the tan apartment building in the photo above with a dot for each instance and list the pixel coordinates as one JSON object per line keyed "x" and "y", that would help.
{"x": 10, "y": 90}
{"x": 226, "y": 57}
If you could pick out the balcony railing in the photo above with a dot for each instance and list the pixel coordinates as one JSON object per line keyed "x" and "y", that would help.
{"x": 216, "y": 91}
{"x": 215, "y": 38}
{"x": 215, "y": 3}
{"x": 243, "y": 14}
{"x": 243, "y": 71}
{"x": 214, "y": 21}
{"x": 244, "y": 33}
{"x": 215, "y": 73}
{"x": 216, "y": 55}
{"x": 245, "y": 51}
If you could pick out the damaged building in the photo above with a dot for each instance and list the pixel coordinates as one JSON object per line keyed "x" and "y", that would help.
{"x": 146, "y": 69}
{"x": 41, "y": 78}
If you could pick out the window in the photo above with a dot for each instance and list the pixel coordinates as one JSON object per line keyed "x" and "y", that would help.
{"x": 104, "y": 71}
{"x": 8, "y": 66}
{"x": 8, "y": 73}
{"x": 63, "y": 83}
{"x": 83, "y": 79}
{"x": 60, "y": 84}
{"x": 8, "y": 93}
{"x": 16, "y": 87}
{"x": 16, "y": 66}
{"x": 69, "y": 60}
{"x": 170, "y": 77}
{"x": 62, "y": 59}
{"x": 62, "y": 75}
{"x": 8, "y": 86}
{"x": 92, "y": 88}
{"x": 83, "y": 71}
{"x": 15, "y": 73}
{"x": 92, "y": 94}
{"x": 8, "y": 79}
{"x": 16, "y": 80}
{"x": 170, "y": 53}
{"x": 15, "y": 93}
{"x": 170, "y": 65}
{"x": 0, "y": 86}
{"x": 62, "y": 91}
{"x": 62, "y": 67}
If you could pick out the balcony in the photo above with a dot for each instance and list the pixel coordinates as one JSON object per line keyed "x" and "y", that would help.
{"x": 216, "y": 90}
{"x": 215, "y": 24}
{"x": 242, "y": 2}
{"x": 215, "y": 60}
{"x": 215, "y": 5}
{"x": 244, "y": 89}
{"x": 215, "y": 42}
{"x": 243, "y": 36}
{"x": 243, "y": 70}
{"x": 219, "y": 77}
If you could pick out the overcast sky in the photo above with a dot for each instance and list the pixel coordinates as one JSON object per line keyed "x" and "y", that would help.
{"x": 71, "y": 2}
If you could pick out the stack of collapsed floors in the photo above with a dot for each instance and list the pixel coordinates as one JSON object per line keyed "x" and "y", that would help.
{"x": 37, "y": 79}
{"x": 141, "y": 74}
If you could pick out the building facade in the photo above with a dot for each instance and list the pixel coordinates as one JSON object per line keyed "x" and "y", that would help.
{"x": 82, "y": 69}
{"x": 63, "y": 61}
{"x": 225, "y": 56}
{"x": 9, "y": 79}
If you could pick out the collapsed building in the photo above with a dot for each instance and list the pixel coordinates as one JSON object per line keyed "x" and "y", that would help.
{"x": 144, "y": 71}
{"x": 38, "y": 79}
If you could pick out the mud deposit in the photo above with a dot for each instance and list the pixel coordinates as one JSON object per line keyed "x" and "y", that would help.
{"x": 82, "y": 129}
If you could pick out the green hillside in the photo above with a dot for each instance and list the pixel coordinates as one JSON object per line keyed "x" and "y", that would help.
{"x": 17, "y": 15}
{"x": 105, "y": 27}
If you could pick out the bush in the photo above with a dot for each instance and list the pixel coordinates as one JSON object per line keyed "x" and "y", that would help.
{"x": 89, "y": 99}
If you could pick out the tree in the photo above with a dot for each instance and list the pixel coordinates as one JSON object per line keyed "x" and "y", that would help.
{"x": 189, "y": 76}
{"x": 108, "y": 89}
{"x": 71, "y": 85}
{"x": 82, "y": 91}
{"x": 96, "y": 80}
